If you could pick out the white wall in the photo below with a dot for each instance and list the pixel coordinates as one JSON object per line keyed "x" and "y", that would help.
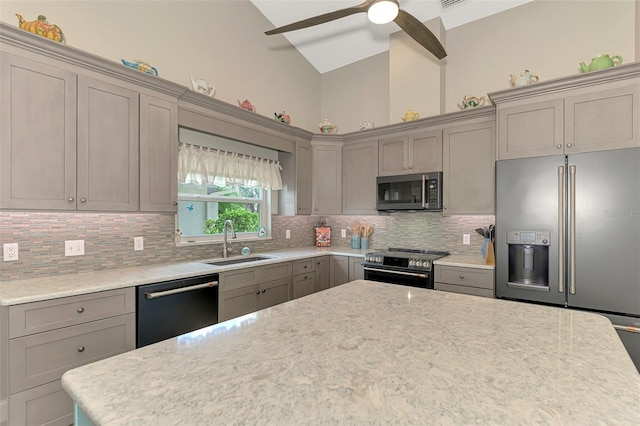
{"x": 221, "y": 41}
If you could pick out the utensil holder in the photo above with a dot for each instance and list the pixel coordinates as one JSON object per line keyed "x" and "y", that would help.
{"x": 364, "y": 243}
{"x": 355, "y": 241}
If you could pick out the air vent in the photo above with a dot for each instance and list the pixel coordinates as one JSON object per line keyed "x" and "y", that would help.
{"x": 449, "y": 3}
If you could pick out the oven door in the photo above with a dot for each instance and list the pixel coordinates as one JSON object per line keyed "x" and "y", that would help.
{"x": 413, "y": 279}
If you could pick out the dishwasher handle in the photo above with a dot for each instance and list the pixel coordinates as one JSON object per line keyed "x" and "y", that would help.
{"x": 157, "y": 294}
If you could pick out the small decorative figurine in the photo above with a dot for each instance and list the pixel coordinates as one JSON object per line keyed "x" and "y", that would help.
{"x": 247, "y": 105}
{"x": 283, "y": 117}
{"x": 601, "y": 62}
{"x": 327, "y": 127}
{"x": 141, "y": 66}
{"x": 524, "y": 79}
{"x": 203, "y": 87}
{"x": 366, "y": 125}
{"x": 410, "y": 115}
{"x": 471, "y": 102}
{"x": 42, "y": 28}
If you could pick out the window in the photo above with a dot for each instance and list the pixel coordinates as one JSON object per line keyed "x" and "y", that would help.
{"x": 220, "y": 179}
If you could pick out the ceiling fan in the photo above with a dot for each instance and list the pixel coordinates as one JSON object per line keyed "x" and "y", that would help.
{"x": 379, "y": 12}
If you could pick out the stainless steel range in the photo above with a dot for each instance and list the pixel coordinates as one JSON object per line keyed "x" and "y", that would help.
{"x": 402, "y": 266}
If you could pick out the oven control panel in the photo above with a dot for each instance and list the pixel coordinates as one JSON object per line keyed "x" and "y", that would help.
{"x": 397, "y": 262}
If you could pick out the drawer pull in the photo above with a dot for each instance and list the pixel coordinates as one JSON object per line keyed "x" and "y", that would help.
{"x": 461, "y": 277}
{"x": 80, "y": 310}
{"x": 81, "y": 349}
{"x": 258, "y": 292}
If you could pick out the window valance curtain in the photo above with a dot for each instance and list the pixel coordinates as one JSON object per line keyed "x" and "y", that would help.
{"x": 197, "y": 164}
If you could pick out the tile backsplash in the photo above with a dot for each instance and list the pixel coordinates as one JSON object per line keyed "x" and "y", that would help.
{"x": 109, "y": 238}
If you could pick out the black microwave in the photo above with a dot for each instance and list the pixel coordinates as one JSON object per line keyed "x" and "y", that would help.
{"x": 421, "y": 191}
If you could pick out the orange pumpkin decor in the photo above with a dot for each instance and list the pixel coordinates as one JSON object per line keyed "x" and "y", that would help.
{"x": 42, "y": 28}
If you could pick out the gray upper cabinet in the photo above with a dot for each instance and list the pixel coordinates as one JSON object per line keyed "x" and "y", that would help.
{"x": 418, "y": 152}
{"x": 38, "y": 135}
{"x": 469, "y": 168}
{"x": 589, "y": 112}
{"x": 295, "y": 197}
{"x": 158, "y": 155}
{"x": 327, "y": 179}
{"x": 108, "y": 146}
{"x": 359, "y": 178}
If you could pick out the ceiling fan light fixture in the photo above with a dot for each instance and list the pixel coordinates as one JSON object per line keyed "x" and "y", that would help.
{"x": 383, "y": 11}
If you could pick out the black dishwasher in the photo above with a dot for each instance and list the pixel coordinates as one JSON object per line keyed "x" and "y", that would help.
{"x": 172, "y": 308}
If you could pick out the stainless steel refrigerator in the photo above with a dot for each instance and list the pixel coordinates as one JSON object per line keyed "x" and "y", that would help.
{"x": 568, "y": 234}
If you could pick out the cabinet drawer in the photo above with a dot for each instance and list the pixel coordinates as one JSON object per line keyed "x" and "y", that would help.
{"x": 469, "y": 277}
{"x": 303, "y": 266}
{"x": 36, "y": 317}
{"x": 304, "y": 285}
{"x": 276, "y": 272}
{"x": 43, "y": 405}
{"x": 474, "y": 291}
{"x": 44, "y": 357}
{"x": 237, "y": 279}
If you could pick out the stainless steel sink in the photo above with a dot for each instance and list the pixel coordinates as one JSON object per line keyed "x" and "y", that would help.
{"x": 236, "y": 260}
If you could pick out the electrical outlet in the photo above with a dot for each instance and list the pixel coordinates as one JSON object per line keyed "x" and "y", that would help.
{"x": 138, "y": 243}
{"x": 343, "y": 233}
{"x": 74, "y": 248}
{"x": 10, "y": 251}
{"x": 466, "y": 239}
{"x": 287, "y": 234}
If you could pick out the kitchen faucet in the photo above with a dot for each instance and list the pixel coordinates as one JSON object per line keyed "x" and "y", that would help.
{"x": 226, "y": 250}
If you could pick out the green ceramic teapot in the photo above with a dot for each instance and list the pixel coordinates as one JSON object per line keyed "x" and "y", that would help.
{"x": 601, "y": 62}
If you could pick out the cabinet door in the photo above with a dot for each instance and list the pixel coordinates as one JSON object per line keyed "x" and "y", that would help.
{"x": 327, "y": 179}
{"x": 275, "y": 292}
{"x": 425, "y": 152}
{"x": 531, "y": 129}
{"x": 322, "y": 273}
{"x": 339, "y": 270}
{"x": 359, "y": 178}
{"x": 303, "y": 177}
{"x": 356, "y": 268}
{"x": 158, "y": 155}
{"x": 238, "y": 302}
{"x": 37, "y": 135}
{"x": 43, "y": 405}
{"x": 107, "y": 146}
{"x": 469, "y": 169}
{"x": 603, "y": 120}
{"x": 392, "y": 159}
{"x": 303, "y": 285}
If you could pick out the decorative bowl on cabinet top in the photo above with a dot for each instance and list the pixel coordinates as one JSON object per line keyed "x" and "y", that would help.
{"x": 141, "y": 66}
{"x": 601, "y": 62}
{"x": 247, "y": 105}
{"x": 410, "y": 115}
{"x": 524, "y": 79}
{"x": 327, "y": 127}
{"x": 471, "y": 102}
{"x": 203, "y": 87}
{"x": 42, "y": 28}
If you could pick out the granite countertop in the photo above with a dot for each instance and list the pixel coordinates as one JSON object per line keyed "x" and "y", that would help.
{"x": 371, "y": 353}
{"x": 463, "y": 261}
{"x": 63, "y": 285}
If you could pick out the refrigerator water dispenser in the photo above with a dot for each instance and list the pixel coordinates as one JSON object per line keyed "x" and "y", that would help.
{"x": 528, "y": 259}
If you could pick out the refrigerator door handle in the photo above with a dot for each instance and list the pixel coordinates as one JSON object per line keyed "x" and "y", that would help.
{"x": 561, "y": 216}
{"x": 572, "y": 229}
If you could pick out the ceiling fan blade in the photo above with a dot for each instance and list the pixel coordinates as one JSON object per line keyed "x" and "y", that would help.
{"x": 321, "y": 19}
{"x": 420, "y": 33}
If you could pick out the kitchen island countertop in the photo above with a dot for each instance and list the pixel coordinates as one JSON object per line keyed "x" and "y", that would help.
{"x": 370, "y": 353}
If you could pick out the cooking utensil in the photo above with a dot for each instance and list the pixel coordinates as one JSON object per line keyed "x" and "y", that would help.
{"x": 480, "y": 231}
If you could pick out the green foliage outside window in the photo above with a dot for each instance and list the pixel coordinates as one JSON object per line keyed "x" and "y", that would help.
{"x": 243, "y": 220}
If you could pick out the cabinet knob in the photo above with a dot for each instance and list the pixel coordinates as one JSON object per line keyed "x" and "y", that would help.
{"x": 81, "y": 349}
{"x": 558, "y": 146}
{"x": 299, "y": 208}
{"x": 175, "y": 203}
{"x": 80, "y": 310}
{"x": 258, "y": 292}
{"x": 70, "y": 199}
{"x": 568, "y": 145}
{"x": 84, "y": 200}
{"x": 264, "y": 290}
{"x": 305, "y": 277}
{"x": 461, "y": 277}
{"x": 306, "y": 266}
{"x": 411, "y": 167}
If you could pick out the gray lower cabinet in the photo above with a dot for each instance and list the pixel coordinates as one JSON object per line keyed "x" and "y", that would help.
{"x": 359, "y": 178}
{"x": 304, "y": 278}
{"x": 468, "y": 157}
{"x": 339, "y": 270}
{"x": 323, "y": 272}
{"x": 45, "y": 339}
{"x": 356, "y": 268}
{"x": 466, "y": 280}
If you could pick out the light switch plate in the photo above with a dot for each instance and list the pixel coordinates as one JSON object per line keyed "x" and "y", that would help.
{"x": 138, "y": 243}
{"x": 466, "y": 239}
{"x": 287, "y": 234}
{"x": 343, "y": 233}
{"x": 74, "y": 248}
